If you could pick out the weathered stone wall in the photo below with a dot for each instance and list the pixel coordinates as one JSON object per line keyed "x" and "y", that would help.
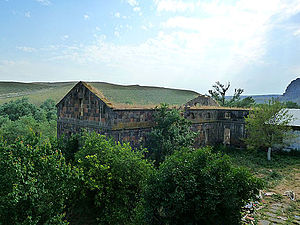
{"x": 136, "y": 137}
{"x": 132, "y": 119}
{"x": 218, "y": 126}
{"x": 202, "y": 100}
{"x": 82, "y": 109}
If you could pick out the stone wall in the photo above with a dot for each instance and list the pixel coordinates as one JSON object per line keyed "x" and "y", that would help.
{"x": 218, "y": 126}
{"x": 202, "y": 100}
{"x": 132, "y": 118}
{"x": 82, "y": 109}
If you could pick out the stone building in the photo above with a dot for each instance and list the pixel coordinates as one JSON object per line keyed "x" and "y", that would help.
{"x": 202, "y": 100}
{"x": 86, "y": 107}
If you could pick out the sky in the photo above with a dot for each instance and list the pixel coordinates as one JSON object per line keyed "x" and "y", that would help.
{"x": 186, "y": 44}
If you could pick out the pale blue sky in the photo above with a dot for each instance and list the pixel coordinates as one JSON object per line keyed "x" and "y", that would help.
{"x": 188, "y": 44}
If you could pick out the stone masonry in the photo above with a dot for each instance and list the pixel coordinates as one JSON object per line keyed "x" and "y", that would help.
{"x": 85, "y": 107}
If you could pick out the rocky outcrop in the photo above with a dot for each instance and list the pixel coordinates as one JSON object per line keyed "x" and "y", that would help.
{"x": 293, "y": 90}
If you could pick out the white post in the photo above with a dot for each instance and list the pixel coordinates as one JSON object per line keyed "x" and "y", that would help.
{"x": 269, "y": 153}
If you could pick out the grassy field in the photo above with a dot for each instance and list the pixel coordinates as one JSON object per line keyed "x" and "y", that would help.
{"x": 130, "y": 94}
{"x": 281, "y": 174}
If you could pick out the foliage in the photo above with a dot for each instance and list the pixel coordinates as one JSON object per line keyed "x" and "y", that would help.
{"x": 197, "y": 187}
{"x": 35, "y": 182}
{"x": 219, "y": 94}
{"x": 272, "y": 172}
{"x": 16, "y": 109}
{"x": 244, "y": 103}
{"x": 114, "y": 175}
{"x": 69, "y": 146}
{"x": 292, "y": 105}
{"x": 49, "y": 107}
{"x": 171, "y": 132}
{"x": 24, "y": 126}
{"x": 21, "y": 118}
{"x": 3, "y": 120}
{"x": 266, "y": 125}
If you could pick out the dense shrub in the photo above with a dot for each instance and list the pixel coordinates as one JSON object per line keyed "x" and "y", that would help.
{"x": 69, "y": 146}
{"x": 20, "y": 118}
{"x": 171, "y": 132}
{"x": 35, "y": 183}
{"x": 114, "y": 175}
{"x": 197, "y": 187}
{"x": 18, "y": 108}
{"x": 25, "y": 126}
{"x": 50, "y": 109}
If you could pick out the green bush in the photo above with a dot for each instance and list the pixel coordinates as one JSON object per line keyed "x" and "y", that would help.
{"x": 171, "y": 132}
{"x": 69, "y": 146}
{"x": 25, "y": 126}
{"x": 197, "y": 187}
{"x": 114, "y": 175}
{"x": 35, "y": 183}
{"x": 18, "y": 108}
{"x": 50, "y": 109}
{"x": 20, "y": 118}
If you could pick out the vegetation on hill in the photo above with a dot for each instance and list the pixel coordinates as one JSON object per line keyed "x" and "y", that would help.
{"x": 37, "y": 93}
{"x": 291, "y": 105}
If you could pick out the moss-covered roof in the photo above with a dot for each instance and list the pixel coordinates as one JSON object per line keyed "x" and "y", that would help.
{"x": 123, "y": 97}
{"x": 135, "y": 97}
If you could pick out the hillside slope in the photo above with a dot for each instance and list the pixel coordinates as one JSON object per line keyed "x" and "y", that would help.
{"x": 292, "y": 92}
{"x": 124, "y": 94}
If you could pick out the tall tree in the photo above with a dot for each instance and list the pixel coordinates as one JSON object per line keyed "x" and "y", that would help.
{"x": 171, "y": 132}
{"x": 267, "y": 126}
{"x": 219, "y": 94}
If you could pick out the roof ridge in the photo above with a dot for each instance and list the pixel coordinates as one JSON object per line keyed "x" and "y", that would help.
{"x": 98, "y": 93}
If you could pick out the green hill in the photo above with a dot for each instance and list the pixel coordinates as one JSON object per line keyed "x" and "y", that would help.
{"x": 124, "y": 94}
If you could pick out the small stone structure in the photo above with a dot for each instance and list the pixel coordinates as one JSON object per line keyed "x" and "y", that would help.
{"x": 86, "y": 107}
{"x": 202, "y": 100}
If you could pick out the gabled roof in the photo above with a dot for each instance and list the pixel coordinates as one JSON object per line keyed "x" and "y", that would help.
{"x": 97, "y": 93}
{"x": 91, "y": 89}
{"x": 140, "y": 91}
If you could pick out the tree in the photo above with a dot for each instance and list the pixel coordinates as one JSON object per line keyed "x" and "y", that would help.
{"x": 197, "y": 187}
{"x": 266, "y": 126}
{"x": 35, "y": 182}
{"x": 219, "y": 94}
{"x": 244, "y": 103}
{"x": 114, "y": 175}
{"x": 25, "y": 126}
{"x": 291, "y": 105}
{"x": 22, "y": 107}
{"x": 18, "y": 108}
{"x": 49, "y": 107}
{"x": 171, "y": 132}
